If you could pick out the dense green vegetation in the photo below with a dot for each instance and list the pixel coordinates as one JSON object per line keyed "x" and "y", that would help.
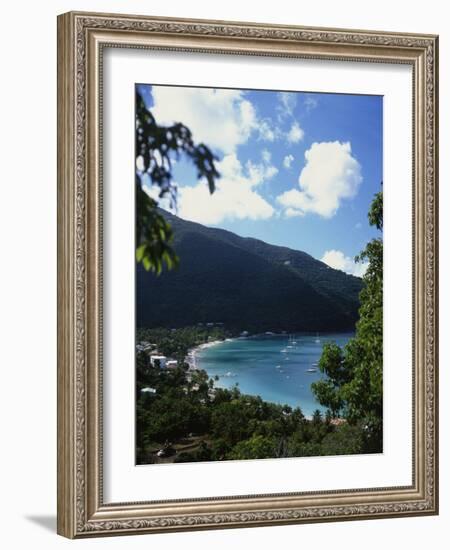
{"x": 246, "y": 284}
{"x": 201, "y": 422}
{"x": 353, "y": 387}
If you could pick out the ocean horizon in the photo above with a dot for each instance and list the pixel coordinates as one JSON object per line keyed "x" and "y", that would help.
{"x": 278, "y": 368}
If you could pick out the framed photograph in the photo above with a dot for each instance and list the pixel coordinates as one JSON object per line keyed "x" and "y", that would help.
{"x": 247, "y": 274}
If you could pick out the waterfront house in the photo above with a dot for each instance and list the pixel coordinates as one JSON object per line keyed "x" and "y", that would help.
{"x": 158, "y": 360}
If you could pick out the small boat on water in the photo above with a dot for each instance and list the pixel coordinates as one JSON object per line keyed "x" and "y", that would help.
{"x": 228, "y": 374}
{"x": 278, "y": 367}
{"x": 312, "y": 369}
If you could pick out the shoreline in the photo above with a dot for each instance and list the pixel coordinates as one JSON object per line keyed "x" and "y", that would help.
{"x": 194, "y": 364}
{"x": 192, "y": 353}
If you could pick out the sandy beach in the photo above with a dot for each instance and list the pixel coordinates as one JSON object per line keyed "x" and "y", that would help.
{"x": 191, "y": 356}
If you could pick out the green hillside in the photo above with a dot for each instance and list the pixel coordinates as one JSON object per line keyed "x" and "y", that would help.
{"x": 246, "y": 284}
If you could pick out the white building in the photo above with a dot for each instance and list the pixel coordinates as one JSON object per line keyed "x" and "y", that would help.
{"x": 145, "y": 346}
{"x": 171, "y": 364}
{"x": 158, "y": 359}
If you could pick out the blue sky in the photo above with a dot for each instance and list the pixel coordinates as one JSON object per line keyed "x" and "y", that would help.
{"x": 298, "y": 169}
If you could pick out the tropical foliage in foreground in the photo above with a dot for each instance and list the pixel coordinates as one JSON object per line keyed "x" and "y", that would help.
{"x": 353, "y": 387}
{"x": 156, "y": 148}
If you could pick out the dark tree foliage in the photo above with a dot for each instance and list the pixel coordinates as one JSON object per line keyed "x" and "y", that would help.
{"x": 156, "y": 147}
{"x": 376, "y": 211}
{"x": 353, "y": 387}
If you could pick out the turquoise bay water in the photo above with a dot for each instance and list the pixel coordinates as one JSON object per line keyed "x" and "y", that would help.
{"x": 279, "y": 368}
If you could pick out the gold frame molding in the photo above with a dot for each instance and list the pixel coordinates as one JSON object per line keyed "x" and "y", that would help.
{"x": 81, "y": 39}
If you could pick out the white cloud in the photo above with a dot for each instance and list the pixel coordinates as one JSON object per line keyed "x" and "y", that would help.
{"x": 257, "y": 173}
{"x": 264, "y": 171}
{"x": 287, "y": 103}
{"x": 266, "y": 155}
{"x": 267, "y": 130}
{"x": 293, "y": 213}
{"x": 337, "y": 260}
{"x": 235, "y": 196}
{"x": 221, "y": 119}
{"x": 295, "y": 134}
{"x": 310, "y": 103}
{"x": 287, "y": 161}
{"x": 330, "y": 175}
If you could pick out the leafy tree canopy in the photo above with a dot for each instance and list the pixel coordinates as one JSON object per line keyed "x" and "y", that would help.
{"x": 156, "y": 147}
{"x": 353, "y": 387}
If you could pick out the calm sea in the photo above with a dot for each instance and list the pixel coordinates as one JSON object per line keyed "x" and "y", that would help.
{"x": 279, "y": 368}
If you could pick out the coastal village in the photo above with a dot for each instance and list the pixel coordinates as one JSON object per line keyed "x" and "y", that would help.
{"x": 155, "y": 360}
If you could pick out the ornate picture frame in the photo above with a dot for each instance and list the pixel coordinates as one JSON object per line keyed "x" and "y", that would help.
{"x": 82, "y": 39}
